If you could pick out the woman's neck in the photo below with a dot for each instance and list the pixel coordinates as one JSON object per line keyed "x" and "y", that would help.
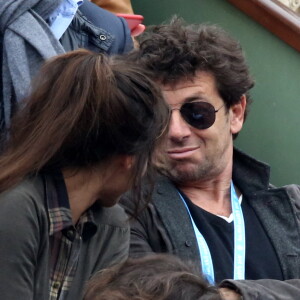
{"x": 83, "y": 188}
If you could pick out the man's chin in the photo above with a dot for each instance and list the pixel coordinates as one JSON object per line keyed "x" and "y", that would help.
{"x": 182, "y": 175}
{"x": 184, "y": 172}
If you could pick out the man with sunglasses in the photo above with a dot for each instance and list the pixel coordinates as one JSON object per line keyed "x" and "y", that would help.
{"x": 213, "y": 204}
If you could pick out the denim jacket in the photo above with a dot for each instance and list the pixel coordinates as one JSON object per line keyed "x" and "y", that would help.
{"x": 98, "y": 30}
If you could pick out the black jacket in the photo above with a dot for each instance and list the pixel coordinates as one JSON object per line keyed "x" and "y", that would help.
{"x": 164, "y": 226}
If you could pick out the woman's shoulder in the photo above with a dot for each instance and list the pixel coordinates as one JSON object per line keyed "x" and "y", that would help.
{"x": 22, "y": 211}
{"x": 29, "y": 192}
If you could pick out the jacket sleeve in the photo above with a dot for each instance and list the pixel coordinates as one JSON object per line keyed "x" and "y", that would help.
{"x": 139, "y": 239}
{"x": 19, "y": 246}
{"x": 119, "y": 248}
{"x": 115, "y": 26}
{"x": 147, "y": 233}
{"x": 265, "y": 289}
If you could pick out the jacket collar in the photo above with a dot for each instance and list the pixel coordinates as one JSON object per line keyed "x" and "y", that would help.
{"x": 256, "y": 173}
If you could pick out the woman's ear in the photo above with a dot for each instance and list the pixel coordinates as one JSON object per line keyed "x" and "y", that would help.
{"x": 120, "y": 163}
{"x": 237, "y": 112}
{"x": 128, "y": 161}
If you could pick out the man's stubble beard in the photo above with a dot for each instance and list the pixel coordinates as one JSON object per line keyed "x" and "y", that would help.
{"x": 184, "y": 172}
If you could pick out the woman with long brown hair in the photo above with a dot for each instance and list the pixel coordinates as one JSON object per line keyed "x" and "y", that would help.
{"x": 83, "y": 137}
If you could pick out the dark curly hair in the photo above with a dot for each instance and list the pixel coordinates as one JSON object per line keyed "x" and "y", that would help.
{"x": 176, "y": 51}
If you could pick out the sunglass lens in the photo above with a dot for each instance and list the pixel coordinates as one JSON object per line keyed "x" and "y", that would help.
{"x": 200, "y": 115}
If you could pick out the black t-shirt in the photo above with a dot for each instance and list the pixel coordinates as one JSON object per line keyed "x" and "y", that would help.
{"x": 261, "y": 259}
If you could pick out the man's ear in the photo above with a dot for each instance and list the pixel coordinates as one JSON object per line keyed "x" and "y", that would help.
{"x": 237, "y": 112}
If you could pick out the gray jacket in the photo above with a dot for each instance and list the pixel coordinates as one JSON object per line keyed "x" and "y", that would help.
{"x": 165, "y": 225}
{"x": 24, "y": 244}
{"x": 26, "y": 41}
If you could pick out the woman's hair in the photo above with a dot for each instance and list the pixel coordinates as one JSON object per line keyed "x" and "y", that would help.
{"x": 84, "y": 109}
{"x": 159, "y": 277}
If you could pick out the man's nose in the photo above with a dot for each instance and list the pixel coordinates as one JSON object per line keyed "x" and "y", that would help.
{"x": 178, "y": 128}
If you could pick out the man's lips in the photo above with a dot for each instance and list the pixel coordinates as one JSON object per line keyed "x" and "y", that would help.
{"x": 181, "y": 152}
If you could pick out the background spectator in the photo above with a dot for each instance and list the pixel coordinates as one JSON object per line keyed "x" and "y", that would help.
{"x": 159, "y": 277}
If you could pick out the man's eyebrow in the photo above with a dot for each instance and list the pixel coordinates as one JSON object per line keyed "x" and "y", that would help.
{"x": 194, "y": 98}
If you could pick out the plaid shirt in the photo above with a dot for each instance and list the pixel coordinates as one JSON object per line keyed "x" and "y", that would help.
{"x": 65, "y": 238}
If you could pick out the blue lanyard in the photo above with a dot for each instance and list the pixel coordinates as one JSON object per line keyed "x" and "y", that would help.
{"x": 239, "y": 242}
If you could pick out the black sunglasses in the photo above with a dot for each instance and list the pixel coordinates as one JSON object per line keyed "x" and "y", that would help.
{"x": 198, "y": 114}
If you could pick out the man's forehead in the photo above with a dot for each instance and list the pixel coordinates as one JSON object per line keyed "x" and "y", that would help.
{"x": 193, "y": 81}
{"x": 178, "y": 86}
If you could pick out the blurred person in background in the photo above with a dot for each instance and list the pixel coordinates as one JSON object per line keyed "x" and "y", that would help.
{"x": 122, "y": 8}
{"x": 33, "y": 31}
{"x": 159, "y": 277}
